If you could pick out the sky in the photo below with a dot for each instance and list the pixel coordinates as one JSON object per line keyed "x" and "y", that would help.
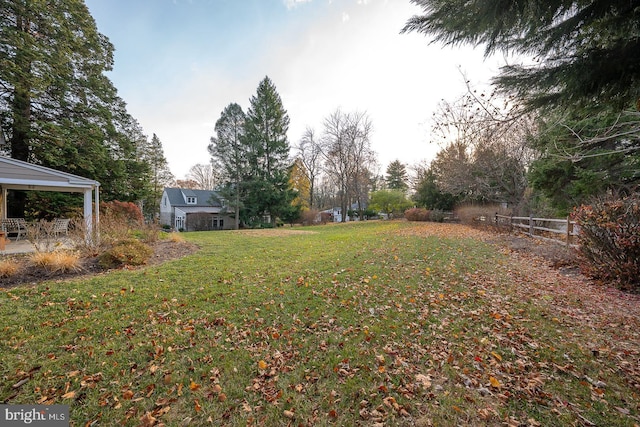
{"x": 179, "y": 63}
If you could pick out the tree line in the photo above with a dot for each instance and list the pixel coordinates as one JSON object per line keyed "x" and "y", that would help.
{"x": 549, "y": 136}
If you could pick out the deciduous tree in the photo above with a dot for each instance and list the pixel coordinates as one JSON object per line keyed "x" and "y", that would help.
{"x": 205, "y": 176}
{"x": 310, "y": 154}
{"x": 348, "y": 156}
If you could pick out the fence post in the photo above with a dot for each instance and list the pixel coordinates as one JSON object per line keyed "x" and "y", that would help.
{"x": 569, "y": 230}
{"x": 531, "y": 224}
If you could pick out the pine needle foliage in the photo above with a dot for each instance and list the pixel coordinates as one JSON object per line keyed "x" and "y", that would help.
{"x": 585, "y": 51}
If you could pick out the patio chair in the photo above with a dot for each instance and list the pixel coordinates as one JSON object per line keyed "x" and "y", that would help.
{"x": 17, "y": 226}
{"x": 61, "y": 226}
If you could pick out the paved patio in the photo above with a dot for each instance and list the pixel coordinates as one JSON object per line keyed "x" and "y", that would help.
{"x": 23, "y": 246}
{"x": 17, "y": 247}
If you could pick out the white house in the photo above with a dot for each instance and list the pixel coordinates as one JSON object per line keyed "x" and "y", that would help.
{"x": 194, "y": 210}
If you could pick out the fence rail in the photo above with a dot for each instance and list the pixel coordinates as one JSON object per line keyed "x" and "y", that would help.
{"x": 552, "y": 229}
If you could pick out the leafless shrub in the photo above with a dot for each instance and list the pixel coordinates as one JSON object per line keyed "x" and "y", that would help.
{"x": 310, "y": 217}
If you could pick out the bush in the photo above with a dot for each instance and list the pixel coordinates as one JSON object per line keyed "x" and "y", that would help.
{"x": 126, "y": 252}
{"x": 609, "y": 240}
{"x": 310, "y": 216}
{"x": 417, "y": 214}
{"x": 437, "y": 215}
{"x": 124, "y": 211}
{"x": 9, "y": 268}
{"x": 57, "y": 262}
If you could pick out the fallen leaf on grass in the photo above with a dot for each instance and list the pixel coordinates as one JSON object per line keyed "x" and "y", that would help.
{"x": 423, "y": 380}
{"x": 494, "y": 382}
{"x": 69, "y": 395}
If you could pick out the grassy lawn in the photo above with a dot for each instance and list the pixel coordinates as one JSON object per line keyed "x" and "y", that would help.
{"x": 379, "y": 323}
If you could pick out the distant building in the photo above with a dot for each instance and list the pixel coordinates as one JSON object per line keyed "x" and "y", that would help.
{"x": 194, "y": 210}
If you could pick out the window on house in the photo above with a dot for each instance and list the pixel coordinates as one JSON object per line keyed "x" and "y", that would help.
{"x": 191, "y": 200}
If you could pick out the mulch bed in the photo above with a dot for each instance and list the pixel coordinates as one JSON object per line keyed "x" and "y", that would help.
{"x": 163, "y": 251}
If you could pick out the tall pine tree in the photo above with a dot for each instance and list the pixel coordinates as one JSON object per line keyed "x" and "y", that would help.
{"x": 57, "y": 108}
{"x": 230, "y": 154}
{"x": 160, "y": 175}
{"x": 269, "y": 192}
{"x": 586, "y": 51}
{"x": 397, "y": 176}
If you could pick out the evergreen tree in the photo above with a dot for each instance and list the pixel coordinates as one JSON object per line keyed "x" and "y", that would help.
{"x": 57, "y": 107}
{"x": 397, "y": 176}
{"x": 230, "y": 153}
{"x": 587, "y": 52}
{"x": 160, "y": 175}
{"x": 428, "y": 194}
{"x": 585, "y": 83}
{"x": 572, "y": 169}
{"x": 266, "y": 127}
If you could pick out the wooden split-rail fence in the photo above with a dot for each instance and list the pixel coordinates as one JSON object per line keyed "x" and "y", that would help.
{"x": 553, "y": 229}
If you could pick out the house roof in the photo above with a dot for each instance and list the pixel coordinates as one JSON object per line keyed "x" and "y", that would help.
{"x": 204, "y": 198}
{"x": 199, "y": 209}
{"x": 19, "y": 175}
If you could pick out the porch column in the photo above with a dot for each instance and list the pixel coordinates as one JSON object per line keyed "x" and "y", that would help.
{"x": 3, "y": 202}
{"x": 91, "y": 225}
{"x": 88, "y": 216}
{"x": 97, "y": 215}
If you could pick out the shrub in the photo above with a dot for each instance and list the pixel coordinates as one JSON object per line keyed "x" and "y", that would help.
{"x": 609, "y": 237}
{"x": 58, "y": 261}
{"x": 9, "y": 268}
{"x": 124, "y": 211}
{"x": 126, "y": 252}
{"x": 417, "y": 214}
{"x": 310, "y": 217}
{"x": 175, "y": 237}
{"x": 436, "y": 215}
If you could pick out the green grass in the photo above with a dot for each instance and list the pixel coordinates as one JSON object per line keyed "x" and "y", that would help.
{"x": 340, "y": 325}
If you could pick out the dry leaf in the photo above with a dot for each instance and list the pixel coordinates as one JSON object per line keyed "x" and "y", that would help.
{"x": 69, "y": 395}
{"x": 494, "y": 382}
{"x": 423, "y": 380}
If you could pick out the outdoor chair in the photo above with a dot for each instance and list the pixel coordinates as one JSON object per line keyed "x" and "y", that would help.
{"x": 17, "y": 226}
{"x": 61, "y": 226}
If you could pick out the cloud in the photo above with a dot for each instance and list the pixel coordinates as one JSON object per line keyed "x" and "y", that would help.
{"x": 319, "y": 62}
{"x": 290, "y": 4}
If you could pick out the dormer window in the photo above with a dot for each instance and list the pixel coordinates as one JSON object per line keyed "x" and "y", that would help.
{"x": 191, "y": 200}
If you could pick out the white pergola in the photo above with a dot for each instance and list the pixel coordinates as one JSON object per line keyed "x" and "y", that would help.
{"x": 19, "y": 175}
